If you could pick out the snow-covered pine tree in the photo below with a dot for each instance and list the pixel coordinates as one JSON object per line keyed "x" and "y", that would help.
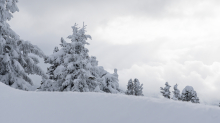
{"x": 130, "y": 88}
{"x": 138, "y": 88}
{"x": 75, "y": 70}
{"x": 188, "y": 94}
{"x": 195, "y": 99}
{"x": 15, "y": 61}
{"x": 49, "y": 84}
{"x": 110, "y": 83}
{"x": 166, "y": 90}
{"x": 176, "y": 93}
{"x": 51, "y": 69}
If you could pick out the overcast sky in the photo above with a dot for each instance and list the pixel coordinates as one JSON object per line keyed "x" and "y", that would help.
{"x": 153, "y": 40}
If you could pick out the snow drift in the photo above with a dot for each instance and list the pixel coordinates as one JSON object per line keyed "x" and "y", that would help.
{"x": 18, "y": 106}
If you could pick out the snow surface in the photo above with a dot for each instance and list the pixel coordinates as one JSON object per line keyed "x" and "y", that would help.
{"x": 18, "y": 106}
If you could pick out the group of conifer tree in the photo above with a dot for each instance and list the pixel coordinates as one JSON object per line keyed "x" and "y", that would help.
{"x": 188, "y": 93}
{"x": 72, "y": 69}
{"x": 134, "y": 88}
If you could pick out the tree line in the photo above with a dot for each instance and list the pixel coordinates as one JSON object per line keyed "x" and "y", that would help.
{"x": 71, "y": 67}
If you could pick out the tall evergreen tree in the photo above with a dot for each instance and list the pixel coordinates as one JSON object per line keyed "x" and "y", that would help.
{"x": 75, "y": 70}
{"x": 130, "y": 88}
{"x": 166, "y": 90}
{"x": 138, "y": 88}
{"x": 15, "y": 61}
{"x": 176, "y": 93}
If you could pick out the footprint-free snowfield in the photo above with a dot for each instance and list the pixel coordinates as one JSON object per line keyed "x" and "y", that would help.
{"x": 18, "y": 106}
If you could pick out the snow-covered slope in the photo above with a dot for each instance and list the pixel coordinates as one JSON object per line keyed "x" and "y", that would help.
{"x": 71, "y": 107}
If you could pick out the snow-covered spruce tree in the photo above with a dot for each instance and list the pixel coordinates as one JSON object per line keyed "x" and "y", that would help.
{"x": 73, "y": 70}
{"x": 176, "y": 93}
{"x": 110, "y": 83}
{"x": 130, "y": 88}
{"x": 138, "y": 88}
{"x": 188, "y": 94}
{"x": 51, "y": 69}
{"x": 48, "y": 84}
{"x": 15, "y": 61}
{"x": 166, "y": 90}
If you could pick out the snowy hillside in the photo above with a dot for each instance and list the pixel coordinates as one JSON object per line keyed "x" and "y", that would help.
{"x": 18, "y": 106}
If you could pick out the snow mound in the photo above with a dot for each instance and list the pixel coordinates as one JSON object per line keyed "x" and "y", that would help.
{"x": 73, "y": 107}
{"x": 5, "y": 89}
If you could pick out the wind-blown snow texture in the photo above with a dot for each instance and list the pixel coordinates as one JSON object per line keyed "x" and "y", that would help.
{"x": 74, "y": 107}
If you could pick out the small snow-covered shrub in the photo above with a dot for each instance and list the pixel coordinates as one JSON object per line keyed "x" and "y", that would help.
{"x": 188, "y": 94}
